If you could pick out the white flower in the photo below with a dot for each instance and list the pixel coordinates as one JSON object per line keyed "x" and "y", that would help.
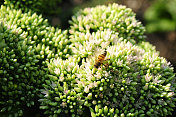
{"x": 64, "y": 104}
{"x": 128, "y": 81}
{"x": 170, "y": 94}
{"x": 98, "y": 75}
{"x": 86, "y": 89}
{"x": 68, "y": 69}
{"x": 61, "y": 78}
{"x": 56, "y": 62}
{"x": 57, "y": 71}
{"x": 53, "y": 85}
{"x": 148, "y": 77}
{"x": 91, "y": 85}
{"x": 45, "y": 92}
{"x": 65, "y": 91}
{"x": 95, "y": 84}
{"x": 155, "y": 80}
{"x": 89, "y": 77}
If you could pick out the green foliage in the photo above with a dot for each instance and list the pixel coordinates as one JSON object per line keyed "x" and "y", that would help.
{"x": 27, "y": 43}
{"x": 160, "y": 16}
{"x": 115, "y": 17}
{"x": 19, "y": 69}
{"x": 39, "y": 30}
{"x": 44, "y": 7}
{"x": 136, "y": 82}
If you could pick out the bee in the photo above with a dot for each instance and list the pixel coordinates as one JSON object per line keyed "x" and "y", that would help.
{"x": 100, "y": 59}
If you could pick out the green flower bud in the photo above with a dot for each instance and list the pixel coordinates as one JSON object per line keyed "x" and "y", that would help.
{"x": 96, "y": 109}
{"x": 101, "y": 88}
{"x": 105, "y": 109}
{"x": 122, "y": 88}
{"x": 122, "y": 115}
{"x": 89, "y": 96}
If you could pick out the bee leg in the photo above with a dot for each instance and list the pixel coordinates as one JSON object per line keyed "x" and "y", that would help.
{"x": 106, "y": 65}
{"x": 106, "y": 59}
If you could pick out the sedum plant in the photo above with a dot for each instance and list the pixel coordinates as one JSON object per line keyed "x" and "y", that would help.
{"x": 115, "y": 17}
{"x": 40, "y": 62}
{"x": 27, "y": 43}
{"x": 19, "y": 67}
{"x": 132, "y": 82}
{"x": 39, "y": 30}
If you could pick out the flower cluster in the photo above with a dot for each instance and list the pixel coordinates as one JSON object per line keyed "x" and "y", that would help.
{"x": 27, "y": 42}
{"x": 114, "y": 17}
{"x": 132, "y": 82}
{"x": 84, "y": 44}
{"x": 61, "y": 93}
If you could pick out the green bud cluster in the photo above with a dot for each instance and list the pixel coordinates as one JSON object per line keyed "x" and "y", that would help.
{"x": 62, "y": 94}
{"x": 42, "y": 35}
{"x": 136, "y": 82}
{"x": 19, "y": 67}
{"x": 114, "y": 17}
{"x": 27, "y": 42}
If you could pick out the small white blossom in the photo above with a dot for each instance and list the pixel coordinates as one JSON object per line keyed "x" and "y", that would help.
{"x": 147, "y": 77}
{"x": 86, "y": 89}
{"x": 53, "y": 85}
{"x": 155, "y": 80}
{"x": 57, "y": 71}
{"x": 63, "y": 104}
{"x": 170, "y": 94}
{"x": 61, "y": 78}
{"x": 45, "y": 92}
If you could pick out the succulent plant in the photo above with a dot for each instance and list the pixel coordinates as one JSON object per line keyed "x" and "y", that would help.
{"x": 115, "y": 17}
{"x": 27, "y": 43}
{"x": 40, "y": 62}
{"x": 38, "y": 28}
{"x": 134, "y": 82}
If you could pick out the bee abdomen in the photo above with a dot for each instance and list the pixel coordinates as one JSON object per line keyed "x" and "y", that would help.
{"x": 102, "y": 56}
{"x": 105, "y": 52}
